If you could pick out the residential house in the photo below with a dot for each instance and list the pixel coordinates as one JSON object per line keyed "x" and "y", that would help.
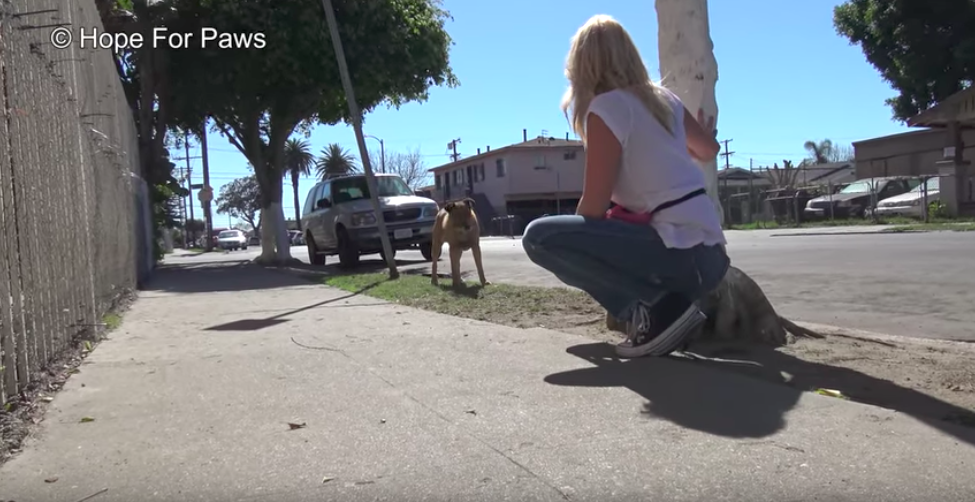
{"x": 741, "y": 192}
{"x": 526, "y": 180}
{"x": 912, "y": 153}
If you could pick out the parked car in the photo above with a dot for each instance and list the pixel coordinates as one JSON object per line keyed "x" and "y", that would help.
{"x": 857, "y": 198}
{"x": 910, "y": 203}
{"x": 232, "y": 240}
{"x": 338, "y": 218}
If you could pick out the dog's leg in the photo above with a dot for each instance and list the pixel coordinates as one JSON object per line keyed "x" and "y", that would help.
{"x": 476, "y": 251}
{"x": 437, "y": 247}
{"x": 455, "y": 254}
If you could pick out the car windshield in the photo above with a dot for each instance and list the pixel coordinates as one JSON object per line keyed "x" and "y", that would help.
{"x": 228, "y": 233}
{"x": 932, "y": 184}
{"x": 351, "y": 189}
{"x": 860, "y": 187}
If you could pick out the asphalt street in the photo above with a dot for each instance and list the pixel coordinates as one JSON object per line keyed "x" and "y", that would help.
{"x": 908, "y": 284}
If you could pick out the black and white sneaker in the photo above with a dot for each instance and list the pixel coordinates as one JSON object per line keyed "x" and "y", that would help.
{"x": 663, "y": 331}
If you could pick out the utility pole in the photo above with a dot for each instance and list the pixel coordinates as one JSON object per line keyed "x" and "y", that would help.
{"x": 207, "y": 215}
{"x": 453, "y": 146}
{"x": 727, "y": 155}
{"x": 189, "y": 179}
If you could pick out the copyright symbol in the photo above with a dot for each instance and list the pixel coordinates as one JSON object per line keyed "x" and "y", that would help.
{"x": 61, "y": 37}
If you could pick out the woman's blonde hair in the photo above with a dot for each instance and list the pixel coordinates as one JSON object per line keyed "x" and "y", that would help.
{"x": 603, "y": 58}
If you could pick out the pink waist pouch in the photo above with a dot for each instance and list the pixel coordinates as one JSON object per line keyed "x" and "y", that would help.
{"x": 622, "y": 214}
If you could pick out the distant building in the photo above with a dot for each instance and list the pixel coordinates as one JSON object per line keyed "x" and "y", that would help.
{"x": 537, "y": 176}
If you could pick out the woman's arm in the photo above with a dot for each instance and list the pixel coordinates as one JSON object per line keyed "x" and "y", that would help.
{"x": 603, "y": 154}
{"x": 701, "y": 145}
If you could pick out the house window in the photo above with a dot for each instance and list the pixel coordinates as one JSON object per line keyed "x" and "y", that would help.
{"x": 569, "y": 155}
{"x": 540, "y": 161}
{"x": 499, "y": 165}
{"x": 437, "y": 181}
{"x": 480, "y": 170}
{"x": 456, "y": 178}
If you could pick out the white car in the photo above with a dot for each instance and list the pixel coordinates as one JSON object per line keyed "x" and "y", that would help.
{"x": 909, "y": 203}
{"x": 232, "y": 240}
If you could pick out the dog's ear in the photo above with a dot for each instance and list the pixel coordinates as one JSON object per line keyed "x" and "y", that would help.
{"x": 469, "y": 203}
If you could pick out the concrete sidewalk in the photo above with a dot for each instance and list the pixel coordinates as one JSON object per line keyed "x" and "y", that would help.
{"x": 192, "y": 396}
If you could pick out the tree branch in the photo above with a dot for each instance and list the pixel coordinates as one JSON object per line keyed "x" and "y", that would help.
{"x": 231, "y": 136}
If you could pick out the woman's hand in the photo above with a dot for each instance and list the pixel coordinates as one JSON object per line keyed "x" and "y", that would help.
{"x": 707, "y": 123}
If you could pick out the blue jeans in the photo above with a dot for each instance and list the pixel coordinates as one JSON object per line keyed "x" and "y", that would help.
{"x": 621, "y": 264}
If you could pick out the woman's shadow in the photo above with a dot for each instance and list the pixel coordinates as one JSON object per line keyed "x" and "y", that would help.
{"x": 735, "y": 398}
{"x": 686, "y": 393}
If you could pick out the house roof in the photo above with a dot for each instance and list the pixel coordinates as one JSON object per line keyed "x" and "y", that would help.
{"x": 959, "y": 107}
{"x": 737, "y": 173}
{"x": 539, "y": 142}
{"x": 901, "y": 135}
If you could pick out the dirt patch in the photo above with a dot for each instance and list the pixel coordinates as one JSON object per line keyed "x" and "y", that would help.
{"x": 924, "y": 378}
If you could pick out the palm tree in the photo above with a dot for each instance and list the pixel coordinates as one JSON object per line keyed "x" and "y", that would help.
{"x": 820, "y": 153}
{"x": 335, "y": 161}
{"x": 298, "y": 160}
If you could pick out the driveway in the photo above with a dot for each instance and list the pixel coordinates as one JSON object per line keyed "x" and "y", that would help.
{"x": 920, "y": 285}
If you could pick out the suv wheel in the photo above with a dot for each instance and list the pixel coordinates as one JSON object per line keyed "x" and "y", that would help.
{"x": 348, "y": 253}
{"x": 426, "y": 249}
{"x": 314, "y": 257}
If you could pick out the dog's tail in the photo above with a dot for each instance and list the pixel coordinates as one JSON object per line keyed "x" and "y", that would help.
{"x": 797, "y": 330}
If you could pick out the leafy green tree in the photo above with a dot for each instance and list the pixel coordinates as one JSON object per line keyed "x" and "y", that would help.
{"x": 241, "y": 199}
{"x": 335, "y": 161}
{"x": 258, "y": 97}
{"x": 298, "y": 160}
{"x": 924, "y": 48}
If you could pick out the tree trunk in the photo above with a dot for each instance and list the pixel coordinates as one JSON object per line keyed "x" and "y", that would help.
{"x": 294, "y": 189}
{"x": 275, "y": 245}
{"x": 688, "y": 67}
{"x": 738, "y": 311}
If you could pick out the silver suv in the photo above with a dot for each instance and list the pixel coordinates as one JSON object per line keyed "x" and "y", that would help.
{"x": 338, "y": 219}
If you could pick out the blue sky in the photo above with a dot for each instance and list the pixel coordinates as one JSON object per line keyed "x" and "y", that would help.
{"x": 785, "y": 77}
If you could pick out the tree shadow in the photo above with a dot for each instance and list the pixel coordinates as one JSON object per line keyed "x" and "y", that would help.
{"x": 217, "y": 276}
{"x": 685, "y": 393}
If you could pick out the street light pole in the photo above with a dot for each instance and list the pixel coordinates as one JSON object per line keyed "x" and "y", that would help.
{"x": 382, "y": 153}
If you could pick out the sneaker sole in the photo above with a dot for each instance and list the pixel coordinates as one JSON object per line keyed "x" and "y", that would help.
{"x": 668, "y": 341}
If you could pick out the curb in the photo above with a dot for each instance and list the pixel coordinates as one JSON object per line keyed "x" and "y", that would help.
{"x": 828, "y": 330}
{"x": 873, "y": 232}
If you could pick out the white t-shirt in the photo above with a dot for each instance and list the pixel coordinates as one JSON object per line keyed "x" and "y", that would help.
{"x": 656, "y": 168}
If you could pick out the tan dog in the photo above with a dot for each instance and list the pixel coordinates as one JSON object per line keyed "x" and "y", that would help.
{"x": 457, "y": 226}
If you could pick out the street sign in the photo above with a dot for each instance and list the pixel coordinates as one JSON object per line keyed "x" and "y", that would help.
{"x": 205, "y": 194}
{"x": 198, "y": 186}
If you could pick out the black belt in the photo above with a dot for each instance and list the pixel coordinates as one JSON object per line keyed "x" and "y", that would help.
{"x": 672, "y": 203}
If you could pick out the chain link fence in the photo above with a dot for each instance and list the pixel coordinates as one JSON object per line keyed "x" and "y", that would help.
{"x": 74, "y": 225}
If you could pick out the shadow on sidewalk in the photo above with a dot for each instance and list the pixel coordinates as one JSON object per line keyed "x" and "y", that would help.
{"x": 769, "y": 364}
{"x": 267, "y": 322}
{"x": 244, "y": 275}
{"x": 678, "y": 391}
{"x": 686, "y": 391}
